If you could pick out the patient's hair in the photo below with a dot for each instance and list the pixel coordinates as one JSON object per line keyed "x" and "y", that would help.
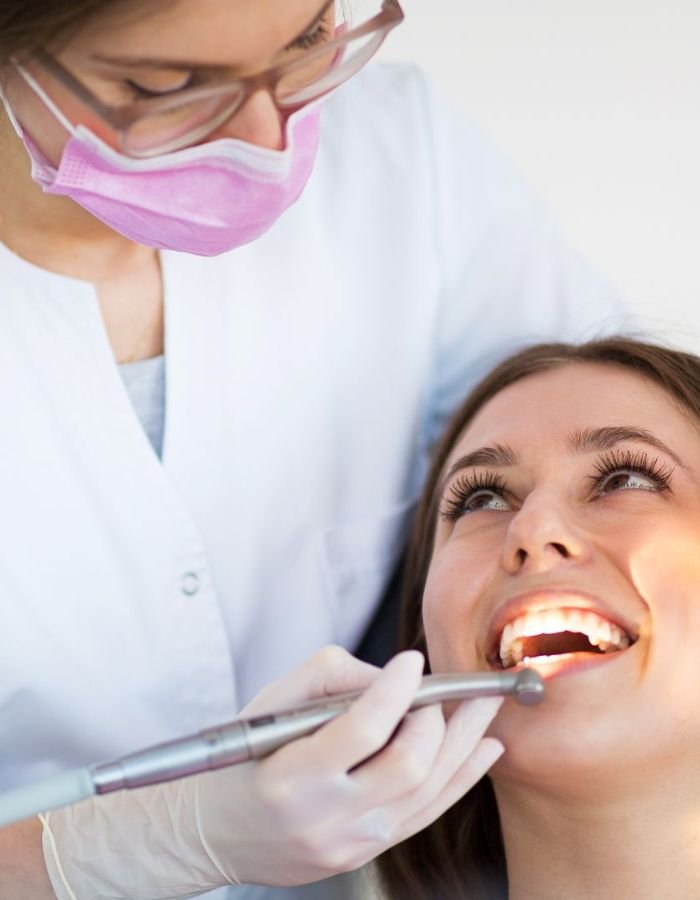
{"x": 461, "y": 856}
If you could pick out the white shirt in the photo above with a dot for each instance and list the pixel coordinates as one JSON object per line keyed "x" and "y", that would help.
{"x": 307, "y": 374}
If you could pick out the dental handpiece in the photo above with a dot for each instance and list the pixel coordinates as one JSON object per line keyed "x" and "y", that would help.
{"x": 243, "y": 740}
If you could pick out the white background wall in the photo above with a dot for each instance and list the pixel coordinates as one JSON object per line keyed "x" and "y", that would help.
{"x": 597, "y": 102}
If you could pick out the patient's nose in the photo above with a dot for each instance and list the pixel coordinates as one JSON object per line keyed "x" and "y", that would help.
{"x": 542, "y": 535}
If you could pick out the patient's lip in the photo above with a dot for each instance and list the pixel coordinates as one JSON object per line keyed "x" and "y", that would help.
{"x": 569, "y": 663}
{"x": 542, "y": 599}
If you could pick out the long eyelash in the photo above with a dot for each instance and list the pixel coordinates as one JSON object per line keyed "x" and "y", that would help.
{"x": 306, "y": 41}
{"x": 461, "y": 489}
{"x": 141, "y": 93}
{"x": 637, "y": 462}
{"x": 320, "y": 34}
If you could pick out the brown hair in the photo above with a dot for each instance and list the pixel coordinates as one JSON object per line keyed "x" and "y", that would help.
{"x": 28, "y": 25}
{"x": 461, "y": 856}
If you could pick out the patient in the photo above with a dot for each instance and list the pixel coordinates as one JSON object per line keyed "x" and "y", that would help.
{"x": 560, "y": 528}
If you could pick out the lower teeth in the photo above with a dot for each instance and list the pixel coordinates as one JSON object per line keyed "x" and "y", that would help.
{"x": 517, "y": 652}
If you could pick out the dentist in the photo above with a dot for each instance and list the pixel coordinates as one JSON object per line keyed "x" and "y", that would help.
{"x": 236, "y": 306}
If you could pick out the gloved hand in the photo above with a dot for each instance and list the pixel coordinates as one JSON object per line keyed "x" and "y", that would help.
{"x": 321, "y": 805}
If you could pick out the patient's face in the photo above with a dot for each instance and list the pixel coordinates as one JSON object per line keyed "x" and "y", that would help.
{"x": 571, "y": 538}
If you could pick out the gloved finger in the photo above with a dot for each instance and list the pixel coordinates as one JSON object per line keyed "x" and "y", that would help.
{"x": 405, "y": 763}
{"x": 421, "y": 776}
{"x": 332, "y": 670}
{"x": 369, "y": 722}
{"x": 463, "y": 735}
{"x": 371, "y": 833}
{"x": 487, "y": 752}
{"x": 308, "y": 777}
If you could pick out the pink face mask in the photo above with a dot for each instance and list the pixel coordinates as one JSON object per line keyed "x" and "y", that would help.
{"x": 206, "y": 199}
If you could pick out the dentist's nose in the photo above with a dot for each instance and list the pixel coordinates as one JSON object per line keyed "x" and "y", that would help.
{"x": 541, "y": 536}
{"x": 258, "y": 121}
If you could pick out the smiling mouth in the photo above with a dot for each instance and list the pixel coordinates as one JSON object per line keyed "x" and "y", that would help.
{"x": 542, "y": 636}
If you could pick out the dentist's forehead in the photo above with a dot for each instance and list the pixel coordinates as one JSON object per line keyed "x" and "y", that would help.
{"x": 213, "y": 32}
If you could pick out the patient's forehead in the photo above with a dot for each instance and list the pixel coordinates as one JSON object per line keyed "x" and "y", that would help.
{"x": 539, "y": 412}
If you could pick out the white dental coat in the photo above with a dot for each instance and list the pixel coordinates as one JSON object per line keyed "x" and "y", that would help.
{"x": 307, "y": 374}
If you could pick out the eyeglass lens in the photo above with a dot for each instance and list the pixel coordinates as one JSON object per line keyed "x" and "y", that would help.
{"x": 184, "y": 123}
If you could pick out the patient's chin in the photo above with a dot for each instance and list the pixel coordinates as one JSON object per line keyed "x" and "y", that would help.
{"x": 583, "y": 754}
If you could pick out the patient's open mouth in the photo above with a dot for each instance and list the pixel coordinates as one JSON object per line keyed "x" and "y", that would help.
{"x": 543, "y": 635}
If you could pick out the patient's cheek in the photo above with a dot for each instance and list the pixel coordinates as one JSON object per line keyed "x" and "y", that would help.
{"x": 438, "y": 620}
{"x": 448, "y": 621}
{"x": 438, "y": 648}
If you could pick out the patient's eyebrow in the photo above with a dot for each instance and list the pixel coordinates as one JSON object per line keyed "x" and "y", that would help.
{"x": 585, "y": 440}
{"x": 498, "y": 456}
{"x": 582, "y": 440}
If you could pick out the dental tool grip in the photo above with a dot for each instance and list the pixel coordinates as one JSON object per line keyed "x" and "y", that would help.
{"x": 243, "y": 740}
{"x": 213, "y": 748}
{"x": 247, "y": 739}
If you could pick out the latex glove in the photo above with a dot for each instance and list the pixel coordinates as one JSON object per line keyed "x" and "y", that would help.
{"x": 324, "y": 804}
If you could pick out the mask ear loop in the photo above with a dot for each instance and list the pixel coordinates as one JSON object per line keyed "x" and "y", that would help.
{"x": 44, "y": 97}
{"x": 43, "y": 172}
{"x": 10, "y": 113}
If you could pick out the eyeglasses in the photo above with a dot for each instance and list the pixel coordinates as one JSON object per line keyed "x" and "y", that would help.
{"x": 149, "y": 127}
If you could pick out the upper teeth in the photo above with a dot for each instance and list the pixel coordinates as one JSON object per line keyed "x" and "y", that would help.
{"x": 599, "y": 631}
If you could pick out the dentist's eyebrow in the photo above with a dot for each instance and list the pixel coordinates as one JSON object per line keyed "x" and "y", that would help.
{"x": 585, "y": 440}
{"x": 497, "y": 457}
{"x": 149, "y": 62}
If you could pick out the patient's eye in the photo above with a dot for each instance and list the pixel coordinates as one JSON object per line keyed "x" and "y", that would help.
{"x": 474, "y": 493}
{"x": 625, "y": 481}
{"x": 628, "y": 471}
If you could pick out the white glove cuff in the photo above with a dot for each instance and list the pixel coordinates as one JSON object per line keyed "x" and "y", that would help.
{"x": 131, "y": 845}
{"x": 61, "y": 888}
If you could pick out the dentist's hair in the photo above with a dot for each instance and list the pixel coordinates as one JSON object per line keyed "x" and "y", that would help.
{"x": 30, "y": 25}
{"x": 461, "y": 856}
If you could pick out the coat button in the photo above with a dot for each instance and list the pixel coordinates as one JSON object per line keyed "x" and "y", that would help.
{"x": 190, "y": 584}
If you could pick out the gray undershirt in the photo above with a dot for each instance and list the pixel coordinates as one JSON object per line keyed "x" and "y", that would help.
{"x": 145, "y": 384}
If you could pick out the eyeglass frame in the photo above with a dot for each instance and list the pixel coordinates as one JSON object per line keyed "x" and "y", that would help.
{"x": 121, "y": 118}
